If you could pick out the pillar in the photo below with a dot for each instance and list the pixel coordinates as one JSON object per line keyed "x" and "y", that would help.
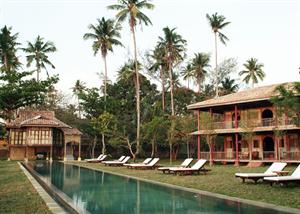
{"x": 51, "y": 153}
{"x": 8, "y": 158}
{"x": 198, "y": 136}
{"x": 212, "y": 144}
{"x": 79, "y": 151}
{"x": 26, "y": 153}
{"x": 65, "y": 151}
{"x": 236, "y": 136}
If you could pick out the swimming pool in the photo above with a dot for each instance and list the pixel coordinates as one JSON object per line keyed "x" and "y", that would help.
{"x": 92, "y": 191}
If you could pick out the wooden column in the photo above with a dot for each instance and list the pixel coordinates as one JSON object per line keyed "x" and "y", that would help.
{"x": 79, "y": 151}
{"x": 26, "y": 153}
{"x": 236, "y": 135}
{"x": 65, "y": 151}
{"x": 198, "y": 137}
{"x": 51, "y": 153}
{"x": 212, "y": 144}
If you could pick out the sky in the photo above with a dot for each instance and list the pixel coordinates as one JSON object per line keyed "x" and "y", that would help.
{"x": 265, "y": 29}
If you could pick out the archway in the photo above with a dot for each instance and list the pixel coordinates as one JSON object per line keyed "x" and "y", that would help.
{"x": 267, "y": 116}
{"x": 268, "y": 147}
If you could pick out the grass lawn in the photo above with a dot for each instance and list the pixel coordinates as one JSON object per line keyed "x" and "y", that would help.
{"x": 220, "y": 180}
{"x": 17, "y": 195}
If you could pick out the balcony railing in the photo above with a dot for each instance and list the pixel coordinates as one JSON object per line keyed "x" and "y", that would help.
{"x": 267, "y": 122}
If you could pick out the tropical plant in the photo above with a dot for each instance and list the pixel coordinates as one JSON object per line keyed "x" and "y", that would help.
{"x": 199, "y": 64}
{"x": 77, "y": 89}
{"x": 105, "y": 34}
{"x": 174, "y": 49}
{"x": 253, "y": 71}
{"x": 187, "y": 73}
{"x": 217, "y": 23}
{"x": 228, "y": 86}
{"x": 38, "y": 51}
{"x": 131, "y": 10}
{"x": 8, "y": 50}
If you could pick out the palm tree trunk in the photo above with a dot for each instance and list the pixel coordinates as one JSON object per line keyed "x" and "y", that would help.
{"x": 199, "y": 85}
{"x": 137, "y": 94}
{"x": 103, "y": 144}
{"x": 105, "y": 79}
{"x": 216, "y": 74}
{"x": 162, "y": 88}
{"x": 38, "y": 70}
{"x": 172, "y": 89}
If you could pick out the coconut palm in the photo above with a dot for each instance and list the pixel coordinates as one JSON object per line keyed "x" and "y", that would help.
{"x": 229, "y": 86}
{"x": 187, "y": 73}
{"x": 8, "y": 50}
{"x": 131, "y": 10}
{"x": 174, "y": 46}
{"x": 199, "y": 65}
{"x": 217, "y": 23}
{"x": 159, "y": 64}
{"x": 253, "y": 71}
{"x": 77, "y": 89}
{"x": 105, "y": 35}
{"x": 38, "y": 51}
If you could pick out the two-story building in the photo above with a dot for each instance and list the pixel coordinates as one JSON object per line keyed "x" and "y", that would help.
{"x": 39, "y": 133}
{"x": 249, "y": 126}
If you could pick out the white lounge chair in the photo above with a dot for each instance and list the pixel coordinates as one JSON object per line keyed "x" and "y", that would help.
{"x": 184, "y": 164}
{"x": 293, "y": 178}
{"x": 150, "y": 165}
{"x": 117, "y": 160}
{"x": 92, "y": 159}
{"x": 270, "y": 172}
{"x": 146, "y": 161}
{"x": 117, "y": 163}
{"x": 98, "y": 160}
{"x": 196, "y": 168}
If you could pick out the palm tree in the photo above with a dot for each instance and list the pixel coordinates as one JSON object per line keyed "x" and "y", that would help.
{"x": 8, "y": 50}
{"x": 38, "y": 51}
{"x": 253, "y": 71}
{"x": 174, "y": 46}
{"x": 105, "y": 35}
{"x": 229, "y": 86}
{"x": 131, "y": 10}
{"x": 199, "y": 64}
{"x": 217, "y": 23}
{"x": 77, "y": 89}
{"x": 159, "y": 64}
{"x": 187, "y": 73}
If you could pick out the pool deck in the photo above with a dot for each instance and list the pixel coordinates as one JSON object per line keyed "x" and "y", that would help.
{"x": 235, "y": 199}
{"x": 53, "y": 206}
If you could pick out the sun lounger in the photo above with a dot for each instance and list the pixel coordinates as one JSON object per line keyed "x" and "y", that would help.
{"x": 118, "y": 160}
{"x": 117, "y": 163}
{"x": 270, "y": 172}
{"x": 184, "y": 164}
{"x": 150, "y": 165}
{"x": 92, "y": 159}
{"x": 196, "y": 168}
{"x": 98, "y": 160}
{"x": 293, "y": 178}
{"x": 146, "y": 161}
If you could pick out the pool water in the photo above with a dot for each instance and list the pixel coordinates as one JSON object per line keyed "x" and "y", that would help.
{"x": 94, "y": 191}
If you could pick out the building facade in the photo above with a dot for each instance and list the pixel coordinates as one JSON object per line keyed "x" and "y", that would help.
{"x": 249, "y": 127}
{"x": 34, "y": 134}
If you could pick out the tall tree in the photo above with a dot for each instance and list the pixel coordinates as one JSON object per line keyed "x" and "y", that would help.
{"x": 229, "y": 86}
{"x": 199, "y": 64}
{"x": 38, "y": 51}
{"x": 158, "y": 63}
{"x": 217, "y": 23}
{"x": 77, "y": 89}
{"x": 253, "y": 71}
{"x": 8, "y": 50}
{"x": 105, "y": 35}
{"x": 187, "y": 73}
{"x": 131, "y": 10}
{"x": 174, "y": 46}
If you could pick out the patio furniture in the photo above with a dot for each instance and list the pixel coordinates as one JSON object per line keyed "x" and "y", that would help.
{"x": 146, "y": 161}
{"x": 91, "y": 159}
{"x": 293, "y": 178}
{"x": 196, "y": 168}
{"x": 184, "y": 164}
{"x": 98, "y": 160}
{"x": 150, "y": 165}
{"x": 117, "y": 163}
{"x": 276, "y": 166}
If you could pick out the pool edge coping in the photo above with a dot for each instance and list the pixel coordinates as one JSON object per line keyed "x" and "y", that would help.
{"x": 52, "y": 205}
{"x": 203, "y": 192}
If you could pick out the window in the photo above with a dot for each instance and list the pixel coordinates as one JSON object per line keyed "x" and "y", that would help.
{"x": 255, "y": 144}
